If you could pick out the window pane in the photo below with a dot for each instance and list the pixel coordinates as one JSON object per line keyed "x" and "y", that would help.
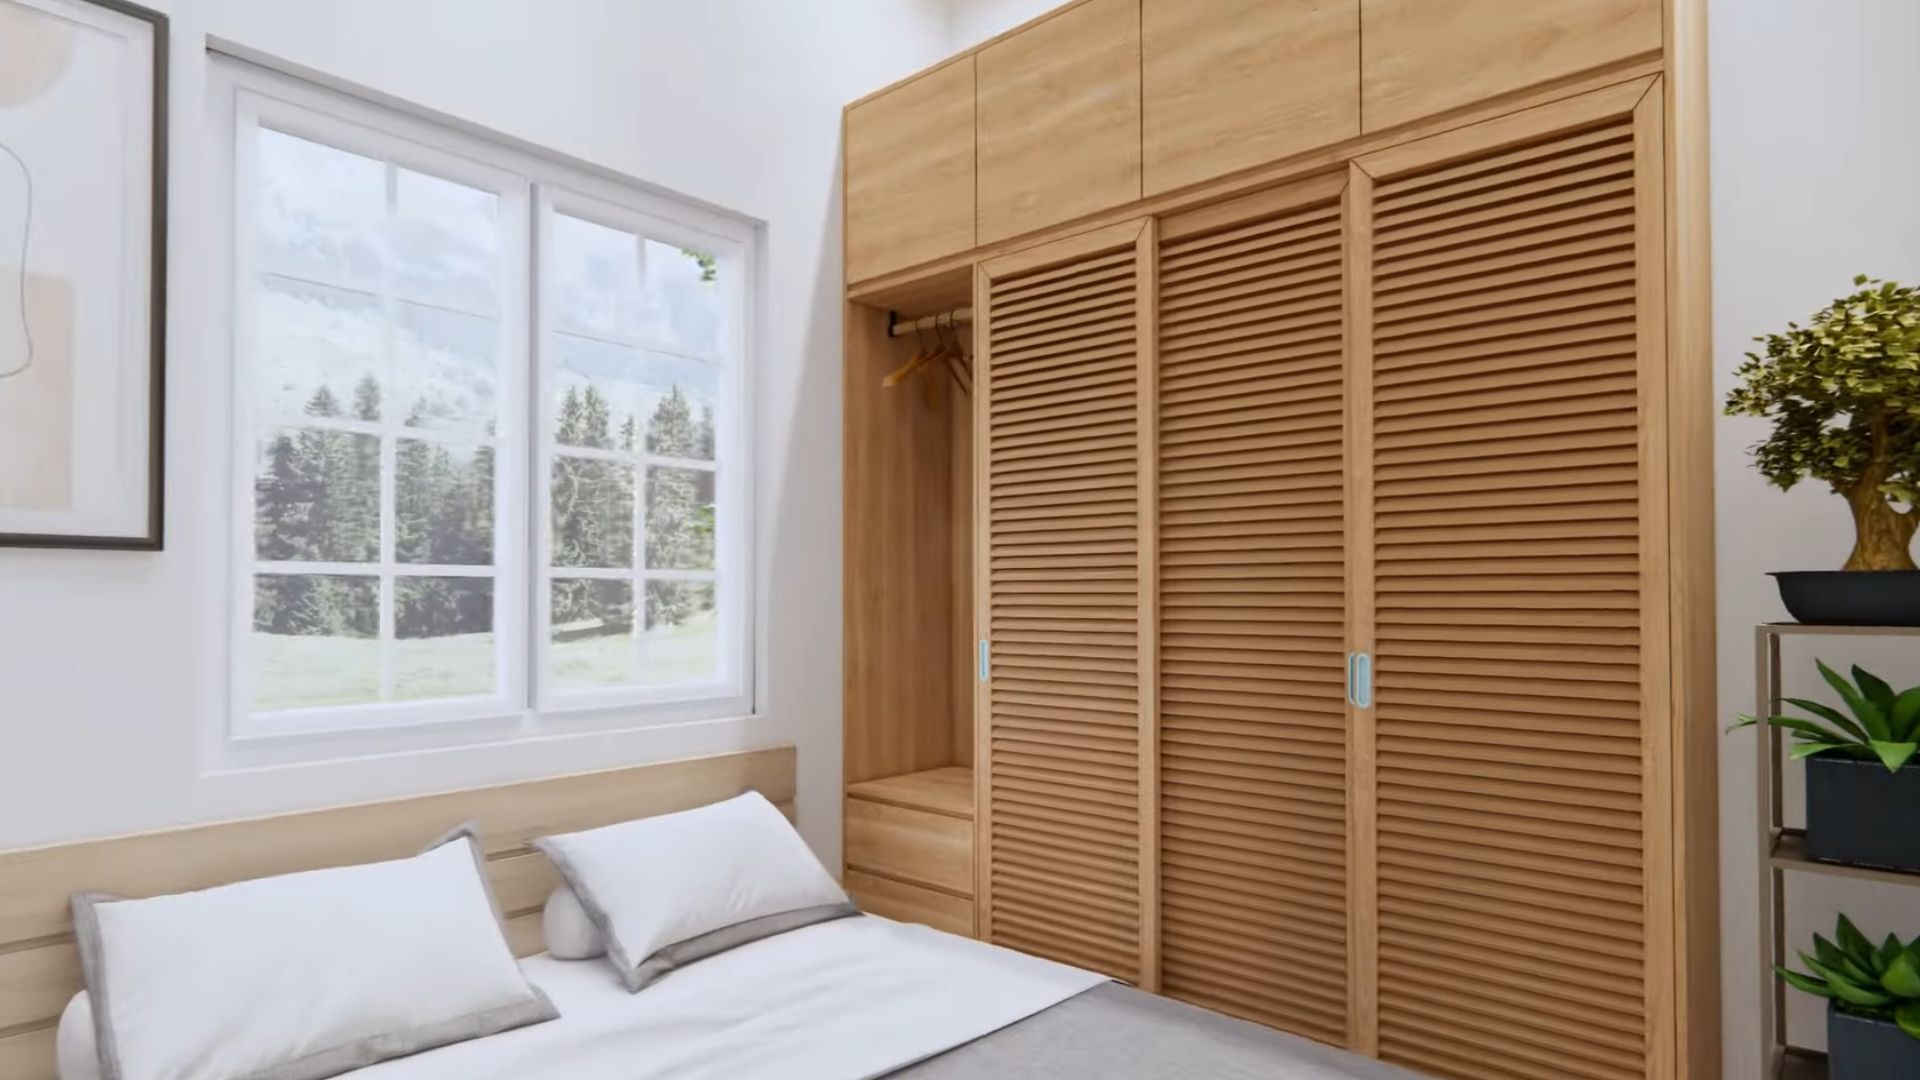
{"x": 314, "y": 641}
{"x": 446, "y": 243}
{"x": 592, "y": 513}
{"x": 447, "y": 367}
{"x": 617, "y": 397}
{"x": 679, "y": 518}
{"x": 444, "y": 627}
{"x": 592, "y": 640}
{"x": 321, "y": 211}
{"x": 317, "y": 495}
{"x": 318, "y": 349}
{"x": 682, "y": 640}
{"x": 612, "y": 283}
{"x": 443, "y": 503}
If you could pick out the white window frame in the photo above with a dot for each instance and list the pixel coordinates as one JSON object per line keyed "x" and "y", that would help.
{"x": 531, "y": 185}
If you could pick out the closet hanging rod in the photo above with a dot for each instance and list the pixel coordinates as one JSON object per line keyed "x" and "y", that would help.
{"x": 897, "y": 328}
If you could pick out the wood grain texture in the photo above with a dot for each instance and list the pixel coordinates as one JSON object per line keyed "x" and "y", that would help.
{"x": 1519, "y": 614}
{"x": 39, "y": 968}
{"x": 1059, "y": 119}
{"x": 903, "y": 902}
{"x": 910, "y": 172}
{"x": 946, "y": 791}
{"x": 1060, "y": 753}
{"x": 898, "y": 546}
{"x": 1419, "y": 58}
{"x": 934, "y": 850}
{"x": 1252, "y": 733}
{"x": 1230, "y": 84}
{"x": 1363, "y": 774}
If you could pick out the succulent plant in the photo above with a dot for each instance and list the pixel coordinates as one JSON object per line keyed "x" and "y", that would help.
{"x": 1885, "y": 724}
{"x": 1880, "y": 982}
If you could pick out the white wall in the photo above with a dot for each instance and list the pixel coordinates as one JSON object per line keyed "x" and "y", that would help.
{"x": 970, "y": 22}
{"x": 112, "y": 666}
{"x": 1815, "y": 108}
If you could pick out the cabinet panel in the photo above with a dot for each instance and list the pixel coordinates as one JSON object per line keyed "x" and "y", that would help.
{"x": 1230, "y": 84}
{"x": 1420, "y": 57}
{"x": 1059, "y": 119}
{"x": 1063, "y": 711}
{"x": 902, "y": 902}
{"x": 1252, "y": 734}
{"x": 909, "y": 173}
{"x": 1518, "y": 566}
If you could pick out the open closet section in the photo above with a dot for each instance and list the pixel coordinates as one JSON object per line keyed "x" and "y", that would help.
{"x": 1298, "y": 601}
{"x": 909, "y": 592}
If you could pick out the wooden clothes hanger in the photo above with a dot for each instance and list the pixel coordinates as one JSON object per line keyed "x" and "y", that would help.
{"x": 921, "y": 357}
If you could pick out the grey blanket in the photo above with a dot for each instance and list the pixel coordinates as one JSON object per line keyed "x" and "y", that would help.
{"x": 1113, "y": 1032}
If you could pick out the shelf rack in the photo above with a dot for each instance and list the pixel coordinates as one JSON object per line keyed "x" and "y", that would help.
{"x": 1783, "y": 850}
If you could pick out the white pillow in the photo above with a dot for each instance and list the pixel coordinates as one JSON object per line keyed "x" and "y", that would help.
{"x": 303, "y": 976}
{"x": 74, "y": 1053}
{"x": 666, "y": 891}
{"x": 571, "y": 935}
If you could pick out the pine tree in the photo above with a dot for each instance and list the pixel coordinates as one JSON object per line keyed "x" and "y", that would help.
{"x": 366, "y": 399}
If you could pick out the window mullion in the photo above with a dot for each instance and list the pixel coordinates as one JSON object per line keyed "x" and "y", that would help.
{"x": 389, "y": 447}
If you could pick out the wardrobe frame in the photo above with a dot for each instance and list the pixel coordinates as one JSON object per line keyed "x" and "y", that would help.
{"x": 1682, "y": 798}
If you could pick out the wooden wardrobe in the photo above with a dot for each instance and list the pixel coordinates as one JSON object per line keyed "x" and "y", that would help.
{"x": 1300, "y": 604}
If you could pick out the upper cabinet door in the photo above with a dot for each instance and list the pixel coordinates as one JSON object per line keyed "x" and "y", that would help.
{"x": 910, "y": 170}
{"x": 1060, "y": 119}
{"x": 1230, "y": 84}
{"x": 1421, "y": 57}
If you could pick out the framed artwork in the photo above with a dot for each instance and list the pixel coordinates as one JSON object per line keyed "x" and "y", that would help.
{"x": 83, "y": 175}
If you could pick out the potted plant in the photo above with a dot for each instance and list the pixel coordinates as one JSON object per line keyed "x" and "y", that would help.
{"x": 1873, "y": 996}
{"x": 1863, "y": 782}
{"x": 1843, "y": 393}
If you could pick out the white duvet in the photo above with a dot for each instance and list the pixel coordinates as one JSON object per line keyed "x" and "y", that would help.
{"x": 843, "y": 1000}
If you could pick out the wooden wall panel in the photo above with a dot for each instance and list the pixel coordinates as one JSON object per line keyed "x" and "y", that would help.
{"x": 1422, "y": 57}
{"x": 1230, "y": 84}
{"x": 1059, "y": 119}
{"x": 1253, "y": 784}
{"x": 910, "y": 172}
{"x": 1520, "y": 648}
{"x": 1061, "y": 817}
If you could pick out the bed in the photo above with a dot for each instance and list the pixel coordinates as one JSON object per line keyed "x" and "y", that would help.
{"x": 847, "y": 999}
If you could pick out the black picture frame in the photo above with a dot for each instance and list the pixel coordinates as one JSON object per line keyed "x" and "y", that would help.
{"x": 155, "y": 538}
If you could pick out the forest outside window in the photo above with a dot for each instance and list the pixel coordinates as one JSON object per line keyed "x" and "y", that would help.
{"x": 488, "y": 421}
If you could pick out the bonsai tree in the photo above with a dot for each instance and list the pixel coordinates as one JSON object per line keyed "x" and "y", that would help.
{"x": 1844, "y": 396}
{"x": 1881, "y": 982}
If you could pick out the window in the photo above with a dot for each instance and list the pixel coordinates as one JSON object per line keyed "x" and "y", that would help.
{"x": 489, "y": 413}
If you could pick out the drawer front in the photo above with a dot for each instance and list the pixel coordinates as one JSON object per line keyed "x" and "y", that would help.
{"x": 911, "y": 845}
{"x": 902, "y": 902}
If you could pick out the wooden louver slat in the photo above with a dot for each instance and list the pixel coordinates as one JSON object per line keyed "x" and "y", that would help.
{"x": 1062, "y": 606}
{"x": 1510, "y": 737}
{"x": 1252, "y": 733}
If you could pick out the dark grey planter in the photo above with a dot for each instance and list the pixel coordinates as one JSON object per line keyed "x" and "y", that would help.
{"x": 1859, "y": 813}
{"x": 1862, "y": 1049}
{"x": 1851, "y": 597}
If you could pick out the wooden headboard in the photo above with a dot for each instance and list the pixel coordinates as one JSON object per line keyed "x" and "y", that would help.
{"x": 40, "y": 971}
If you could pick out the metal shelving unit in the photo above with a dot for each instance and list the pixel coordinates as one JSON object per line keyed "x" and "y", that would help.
{"x": 1783, "y": 850}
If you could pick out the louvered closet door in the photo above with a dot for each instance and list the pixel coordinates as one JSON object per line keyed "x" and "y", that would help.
{"x": 1520, "y": 719}
{"x": 1063, "y": 713}
{"x": 1253, "y": 779}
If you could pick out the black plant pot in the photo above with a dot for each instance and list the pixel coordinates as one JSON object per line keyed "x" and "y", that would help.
{"x": 1858, "y": 812}
{"x": 1851, "y": 597}
{"x": 1859, "y": 1048}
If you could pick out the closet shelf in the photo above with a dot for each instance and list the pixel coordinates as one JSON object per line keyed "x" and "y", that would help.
{"x": 946, "y": 791}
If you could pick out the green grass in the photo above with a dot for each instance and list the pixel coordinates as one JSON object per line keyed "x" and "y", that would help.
{"x": 315, "y": 672}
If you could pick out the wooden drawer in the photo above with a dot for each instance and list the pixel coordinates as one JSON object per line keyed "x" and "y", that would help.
{"x": 911, "y": 845}
{"x": 910, "y": 903}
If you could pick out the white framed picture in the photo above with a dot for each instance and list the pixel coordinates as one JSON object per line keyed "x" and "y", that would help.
{"x": 82, "y": 273}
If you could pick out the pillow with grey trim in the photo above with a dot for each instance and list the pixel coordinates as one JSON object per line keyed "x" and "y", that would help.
{"x": 666, "y": 891}
{"x": 303, "y": 976}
